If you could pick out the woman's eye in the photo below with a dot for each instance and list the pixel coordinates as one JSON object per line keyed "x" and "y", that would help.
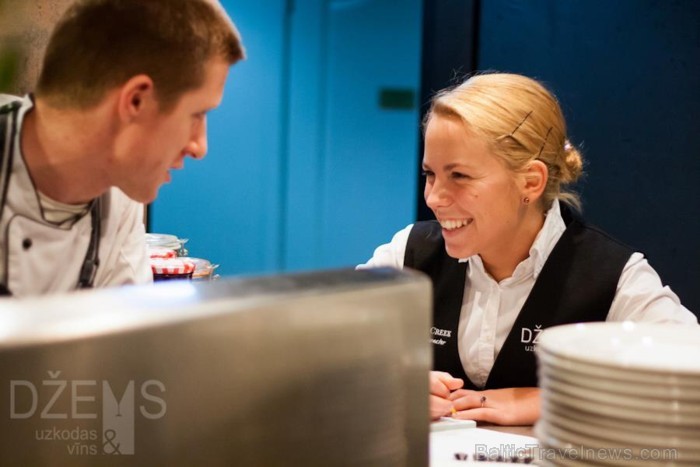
{"x": 459, "y": 176}
{"x": 427, "y": 173}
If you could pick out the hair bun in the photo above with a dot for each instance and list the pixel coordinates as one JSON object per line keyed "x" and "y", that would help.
{"x": 573, "y": 163}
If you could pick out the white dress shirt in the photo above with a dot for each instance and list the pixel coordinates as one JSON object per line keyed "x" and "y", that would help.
{"x": 489, "y": 308}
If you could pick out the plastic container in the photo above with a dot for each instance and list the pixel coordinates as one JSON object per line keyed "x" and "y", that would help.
{"x": 204, "y": 269}
{"x": 167, "y": 241}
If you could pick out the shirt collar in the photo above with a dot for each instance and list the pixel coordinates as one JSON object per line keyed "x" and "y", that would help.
{"x": 547, "y": 238}
{"x": 543, "y": 245}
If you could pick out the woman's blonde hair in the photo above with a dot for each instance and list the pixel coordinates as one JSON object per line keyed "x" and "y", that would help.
{"x": 522, "y": 121}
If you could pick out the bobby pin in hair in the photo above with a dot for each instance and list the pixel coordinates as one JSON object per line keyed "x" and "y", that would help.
{"x": 519, "y": 124}
{"x": 545, "y": 141}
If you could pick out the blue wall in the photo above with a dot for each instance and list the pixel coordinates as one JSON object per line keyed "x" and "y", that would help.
{"x": 305, "y": 170}
{"x": 352, "y": 175}
{"x": 229, "y": 204}
{"x": 628, "y": 75}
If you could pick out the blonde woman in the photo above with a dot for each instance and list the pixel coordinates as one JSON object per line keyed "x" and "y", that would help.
{"x": 509, "y": 254}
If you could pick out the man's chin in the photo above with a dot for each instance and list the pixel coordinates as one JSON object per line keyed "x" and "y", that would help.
{"x": 142, "y": 197}
{"x": 149, "y": 199}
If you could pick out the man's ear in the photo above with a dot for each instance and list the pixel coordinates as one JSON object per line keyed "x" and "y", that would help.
{"x": 136, "y": 98}
{"x": 534, "y": 180}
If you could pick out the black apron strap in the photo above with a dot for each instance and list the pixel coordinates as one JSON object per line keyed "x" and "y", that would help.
{"x": 7, "y": 137}
{"x": 92, "y": 260}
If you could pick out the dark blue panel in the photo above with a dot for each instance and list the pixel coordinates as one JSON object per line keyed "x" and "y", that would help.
{"x": 628, "y": 75}
{"x": 446, "y": 60}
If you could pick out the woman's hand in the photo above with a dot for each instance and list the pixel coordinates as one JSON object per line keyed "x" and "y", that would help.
{"x": 441, "y": 386}
{"x": 510, "y": 406}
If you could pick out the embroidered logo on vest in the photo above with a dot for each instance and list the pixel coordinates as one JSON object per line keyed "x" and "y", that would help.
{"x": 439, "y": 333}
{"x": 529, "y": 337}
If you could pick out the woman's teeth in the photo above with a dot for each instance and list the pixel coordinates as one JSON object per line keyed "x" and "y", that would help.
{"x": 453, "y": 224}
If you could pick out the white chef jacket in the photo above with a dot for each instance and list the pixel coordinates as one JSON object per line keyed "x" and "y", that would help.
{"x": 38, "y": 257}
{"x": 489, "y": 308}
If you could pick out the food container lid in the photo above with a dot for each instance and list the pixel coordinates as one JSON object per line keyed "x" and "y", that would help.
{"x": 172, "y": 266}
{"x": 165, "y": 240}
{"x": 161, "y": 252}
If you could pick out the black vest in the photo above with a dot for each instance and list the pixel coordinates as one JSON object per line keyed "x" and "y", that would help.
{"x": 577, "y": 284}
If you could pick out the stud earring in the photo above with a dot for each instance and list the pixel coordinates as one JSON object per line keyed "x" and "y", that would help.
{"x": 526, "y": 200}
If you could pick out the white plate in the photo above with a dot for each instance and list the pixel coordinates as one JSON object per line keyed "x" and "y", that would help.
{"x": 550, "y": 449}
{"x": 551, "y": 434}
{"x": 601, "y": 396}
{"x": 635, "y": 388}
{"x": 620, "y": 413}
{"x": 657, "y": 348}
{"x": 618, "y": 374}
{"x": 549, "y": 455}
{"x": 656, "y": 428}
{"x": 628, "y": 436}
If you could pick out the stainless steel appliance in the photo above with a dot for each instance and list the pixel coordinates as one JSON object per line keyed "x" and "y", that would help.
{"x": 324, "y": 368}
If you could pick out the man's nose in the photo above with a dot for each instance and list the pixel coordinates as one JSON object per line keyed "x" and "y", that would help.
{"x": 197, "y": 146}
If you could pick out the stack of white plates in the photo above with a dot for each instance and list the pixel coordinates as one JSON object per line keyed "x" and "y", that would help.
{"x": 619, "y": 394}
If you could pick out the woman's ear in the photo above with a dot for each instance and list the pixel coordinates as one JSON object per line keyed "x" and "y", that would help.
{"x": 534, "y": 180}
{"x": 136, "y": 98}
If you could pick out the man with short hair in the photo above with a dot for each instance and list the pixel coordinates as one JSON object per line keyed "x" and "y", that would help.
{"x": 121, "y": 99}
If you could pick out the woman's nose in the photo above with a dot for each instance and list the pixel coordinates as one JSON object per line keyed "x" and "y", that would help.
{"x": 435, "y": 195}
